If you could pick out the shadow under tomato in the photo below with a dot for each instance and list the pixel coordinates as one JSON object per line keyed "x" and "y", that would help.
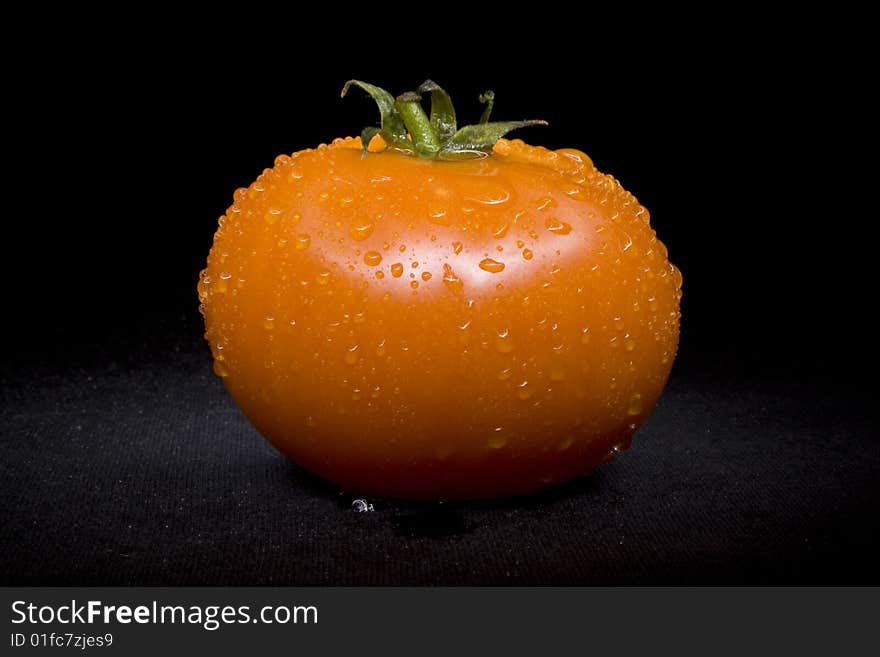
{"x": 440, "y": 520}
{"x": 433, "y": 521}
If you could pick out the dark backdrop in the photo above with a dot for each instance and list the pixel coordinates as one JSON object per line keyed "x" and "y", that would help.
{"x": 123, "y": 460}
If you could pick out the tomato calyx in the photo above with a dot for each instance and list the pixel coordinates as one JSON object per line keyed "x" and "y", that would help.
{"x": 406, "y": 127}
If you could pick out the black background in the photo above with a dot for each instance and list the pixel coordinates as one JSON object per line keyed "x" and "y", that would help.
{"x": 124, "y": 462}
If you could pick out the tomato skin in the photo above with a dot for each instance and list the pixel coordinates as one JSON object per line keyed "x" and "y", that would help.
{"x": 441, "y": 330}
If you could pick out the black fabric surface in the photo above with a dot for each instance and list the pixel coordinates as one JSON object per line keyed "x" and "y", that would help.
{"x": 130, "y": 465}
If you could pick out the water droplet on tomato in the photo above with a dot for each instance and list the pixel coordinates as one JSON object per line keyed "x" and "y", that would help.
{"x": 504, "y": 344}
{"x": 527, "y": 254}
{"x": 438, "y": 216}
{"x": 372, "y": 258}
{"x": 490, "y": 195}
{"x": 635, "y": 404}
{"x": 323, "y": 277}
{"x": 361, "y": 230}
{"x": 524, "y": 390}
{"x": 566, "y": 442}
{"x": 556, "y": 226}
{"x": 220, "y": 369}
{"x": 497, "y": 440}
{"x": 491, "y": 266}
{"x": 397, "y": 270}
{"x": 546, "y": 202}
{"x": 452, "y": 281}
{"x": 457, "y": 247}
{"x": 302, "y": 241}
{"x": 268, "y": 322}
{"x": 614, "y": 451}
{"x": 351, "y": 355}
{"x": 426, "y": 276}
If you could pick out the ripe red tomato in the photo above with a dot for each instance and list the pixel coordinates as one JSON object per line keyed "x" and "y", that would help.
{"x": 422, "y": 328}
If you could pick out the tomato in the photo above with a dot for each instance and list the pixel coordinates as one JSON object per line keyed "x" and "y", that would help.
{"x": 424, "y": 328}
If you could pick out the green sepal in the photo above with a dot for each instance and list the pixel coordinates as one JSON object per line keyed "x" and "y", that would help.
{"x": 489, "y": 99}
{"x": 442, "y": 111}
{"x": 392, "y": 123}
{"x": 482, "y": 136}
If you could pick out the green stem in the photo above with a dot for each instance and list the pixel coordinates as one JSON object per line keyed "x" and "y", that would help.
{"x": 406, "y": 127}
{"x": 418, "y": 125}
